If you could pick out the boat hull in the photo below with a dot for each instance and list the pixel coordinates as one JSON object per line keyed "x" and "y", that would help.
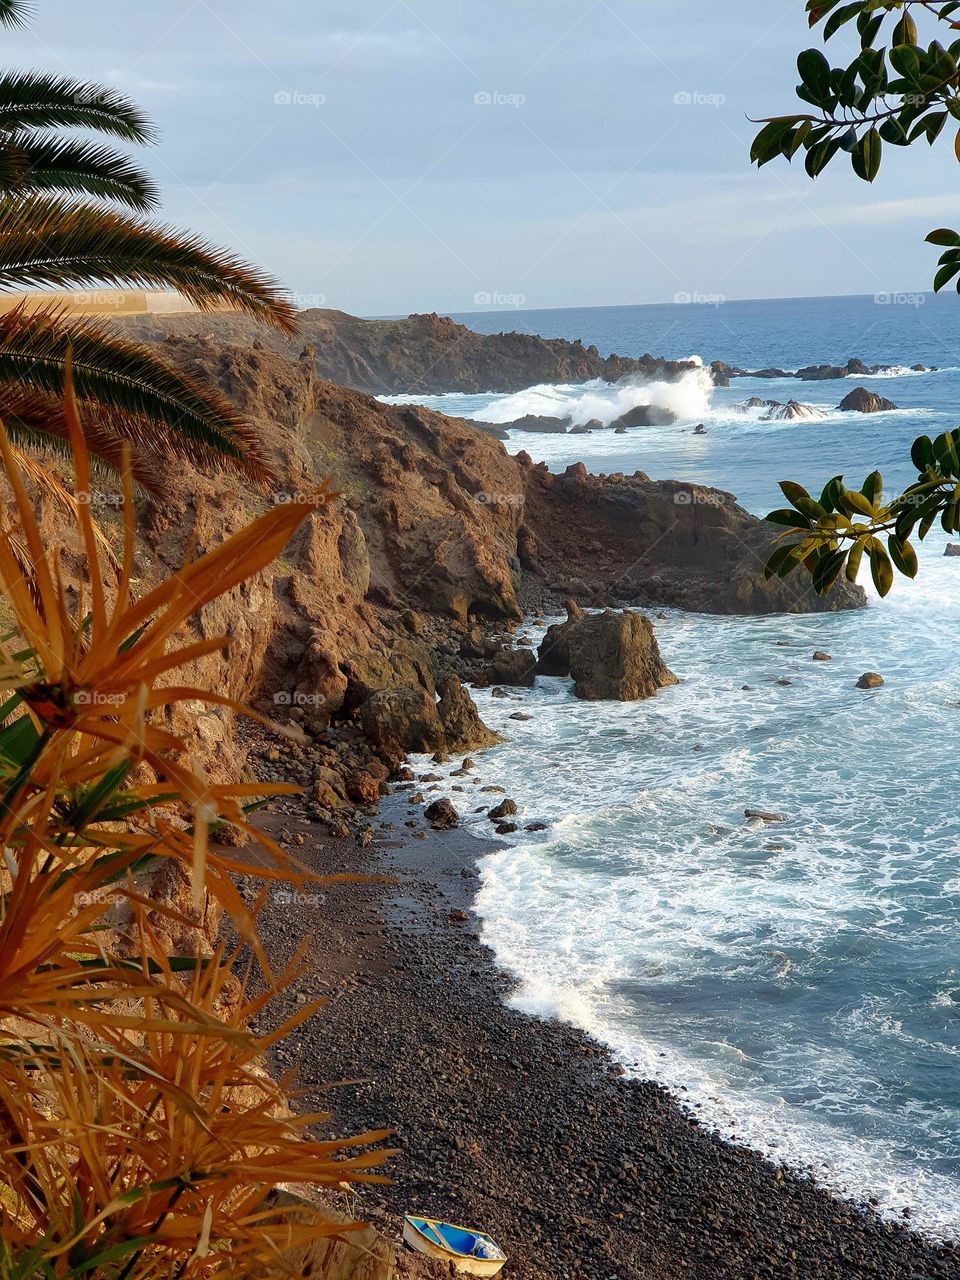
{"x": 462, "y": 1264}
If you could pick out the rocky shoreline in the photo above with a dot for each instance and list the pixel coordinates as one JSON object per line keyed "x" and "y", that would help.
{"x": 519, "y": 1125}
{"x": 412, "y": 580}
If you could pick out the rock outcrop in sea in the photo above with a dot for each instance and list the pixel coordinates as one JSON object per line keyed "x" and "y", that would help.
{"x": 861, "y": 400}
{"x": 626, "y": 539}
{"x": 609, "y": 655}
{"x": 854, "y": 368}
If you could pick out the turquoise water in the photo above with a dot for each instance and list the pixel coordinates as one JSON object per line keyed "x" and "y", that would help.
{"x": 797, "y": 983}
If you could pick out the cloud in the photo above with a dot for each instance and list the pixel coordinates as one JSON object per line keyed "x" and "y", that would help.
{"x": 404, "y": 172}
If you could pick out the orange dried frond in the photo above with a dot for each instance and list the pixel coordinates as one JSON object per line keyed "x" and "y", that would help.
{"x": 157, "y": 1136}
{"x": 99, "y": 674}
{"x": 139, "y": 1134}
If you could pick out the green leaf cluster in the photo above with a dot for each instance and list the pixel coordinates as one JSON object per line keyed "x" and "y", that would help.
{"x": 899, "y": 88}
{"x": 832, "y": 534}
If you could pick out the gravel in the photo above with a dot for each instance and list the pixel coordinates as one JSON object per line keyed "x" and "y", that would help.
{"x": 525, "y": 1127}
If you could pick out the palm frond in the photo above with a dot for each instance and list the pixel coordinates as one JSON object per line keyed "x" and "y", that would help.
{"x": 50, "y": 242}
{"x": 136, "y": 396}
{"x": 32, "y": 161}
{"x": 41, "y": 100}
{"x": 36, "y": 420}
{"x": 14, "y": 13}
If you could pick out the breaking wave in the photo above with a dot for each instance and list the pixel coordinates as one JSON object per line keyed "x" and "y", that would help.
{"x": 687, "y": 399}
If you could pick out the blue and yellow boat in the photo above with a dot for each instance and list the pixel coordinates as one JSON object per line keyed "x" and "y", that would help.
{"x": 472, "y": 1253}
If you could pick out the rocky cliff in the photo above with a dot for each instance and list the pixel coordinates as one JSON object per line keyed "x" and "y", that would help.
{"x": 420, "y": 568}
{"x": 421, "y": 354}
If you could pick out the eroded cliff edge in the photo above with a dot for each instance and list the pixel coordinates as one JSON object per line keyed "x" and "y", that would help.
{"x": 418, "y": 354}
{"x": 418, "y": 571}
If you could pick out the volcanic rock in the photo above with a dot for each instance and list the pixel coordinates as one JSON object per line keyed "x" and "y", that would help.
{"x": 610, "y": 655}
{"x": 505, "y": 809}
{"x": 756, "y": 402}
{"x": 402, "y": 719}
{"x": 496, "y": 429}
{"x": 538, "y": 422}
{"x": 421, "y": 354}
{"x": 462, "y": 728}
{"x": 761, "y": 815}
{"x": 824, "y": 372}
{"x": 514, "y": 667}
{"x": 860, "y": 400}
{"x": 441, "y": 815}
{"x": 644, "y": 415}
{"x": 870, "y": 680}
{"x": 664, "y": 543}
{"x": 790, "y": 411}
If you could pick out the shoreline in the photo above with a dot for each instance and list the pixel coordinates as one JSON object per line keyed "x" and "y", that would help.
{"x": 525, "y": 1127}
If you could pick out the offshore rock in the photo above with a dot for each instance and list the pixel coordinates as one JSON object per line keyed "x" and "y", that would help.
{"x": 861, "y": 400}
{"x": 610, "y": 655}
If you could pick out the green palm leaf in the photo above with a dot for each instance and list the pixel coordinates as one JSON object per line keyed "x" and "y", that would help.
{"x": 40, "y": 100}
{"x": 49, "y": 242}
{"x": 14, "y": 13}
{"x": 31, "y": 161}
{"x": 135, "y": 396}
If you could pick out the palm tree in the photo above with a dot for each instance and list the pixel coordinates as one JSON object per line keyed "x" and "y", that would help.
{"x": 58, "y": 230}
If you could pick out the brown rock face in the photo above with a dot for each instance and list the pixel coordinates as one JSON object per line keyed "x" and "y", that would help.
{"x": 441, "y": 815}
{"x": 610, "y": 655}
{"x": 513, "y": 667}
{"x": 426, "y": 527}
{"x": 400, "y": 720}
{"x": 436, "y": 530}
{"x": 644, "y": 415}
{"x": 408, "y": 718}
{"x": 462, "y": 728}
{"x": 633, "y": 540}
{"x": 870, "y": 680}
{"x": 537, "y": 422}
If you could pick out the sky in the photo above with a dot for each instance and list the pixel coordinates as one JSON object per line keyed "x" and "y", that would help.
{"x": 390, "y": 156}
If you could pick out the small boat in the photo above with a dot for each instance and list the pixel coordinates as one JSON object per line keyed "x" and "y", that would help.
{"x": 472, "y": 1253}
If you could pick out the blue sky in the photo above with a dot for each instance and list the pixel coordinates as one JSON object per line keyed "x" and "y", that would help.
{"x": 386, "y": 156}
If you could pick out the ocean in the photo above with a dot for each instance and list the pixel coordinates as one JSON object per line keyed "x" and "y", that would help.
{"x": 797, "y": 985}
